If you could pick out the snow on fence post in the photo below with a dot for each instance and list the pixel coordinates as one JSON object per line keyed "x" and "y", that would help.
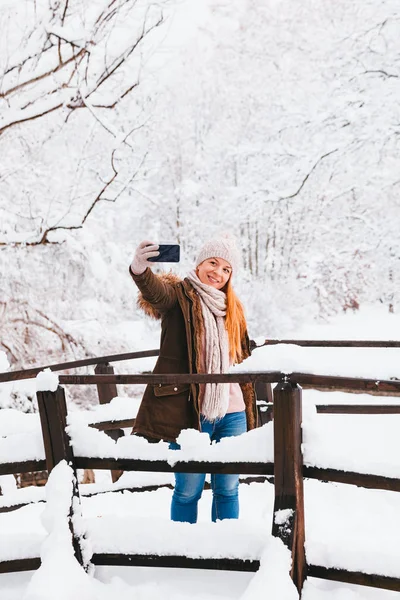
{"x": 106, "y": 392}
{"x": 53, "y": 419}
{"x": 288, "y": 521}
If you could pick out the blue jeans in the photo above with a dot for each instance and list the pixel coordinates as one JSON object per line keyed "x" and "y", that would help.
{"x": 189, "y": 486}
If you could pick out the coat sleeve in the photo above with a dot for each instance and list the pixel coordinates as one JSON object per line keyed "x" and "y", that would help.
{"x": 161, "y": 295}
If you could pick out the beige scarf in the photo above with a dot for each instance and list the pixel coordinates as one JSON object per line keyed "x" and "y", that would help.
{"x": 213, "y": 308}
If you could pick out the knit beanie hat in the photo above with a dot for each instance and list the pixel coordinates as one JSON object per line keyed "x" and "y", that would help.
{"x": 222, "y": 246}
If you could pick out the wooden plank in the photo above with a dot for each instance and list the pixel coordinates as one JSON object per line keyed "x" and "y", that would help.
{"x": 244, "y": 480}
{"x": 178, "y": 562}
{"x": 356, "y": 578}
{"x": 162, "y": 466}
{"x": 12, "y": 507}
{"x": 109, "y": 425}
{"x": 106, "y": 392}
{"x": 376, "y": 482}
{"x": 351, "y": 390}
{"x": 346, "y": 384}
{"x": 30, "y": 373}
{"x": 21, "y": 564}
{"x": 335, "y": 343}
{"x": 288, "y": 477}
{"x": 22, "y": 467}
{"x": 53, "y": 417}
{"x": 155, "y": 378}
{"x": 265, "y": 412}
{"x": 264, "y": 391}
{"x": 145, "y": 488}
{"x": 306, "y": 380}
{"x": 359, "y": 409}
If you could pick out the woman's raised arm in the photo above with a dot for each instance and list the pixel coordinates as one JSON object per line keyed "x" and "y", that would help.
{"x": 160, "y": 294}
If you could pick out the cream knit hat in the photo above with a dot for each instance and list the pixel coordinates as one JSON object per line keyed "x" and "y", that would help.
{"x": 223, "y": 246}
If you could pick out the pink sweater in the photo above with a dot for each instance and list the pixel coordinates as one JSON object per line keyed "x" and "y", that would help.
{"x": 236, "y": 401}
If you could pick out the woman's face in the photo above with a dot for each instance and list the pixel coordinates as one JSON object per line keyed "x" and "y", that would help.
{"x": 215, "y": 272}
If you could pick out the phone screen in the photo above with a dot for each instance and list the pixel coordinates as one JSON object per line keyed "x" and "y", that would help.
{"x": 168, "y": 253}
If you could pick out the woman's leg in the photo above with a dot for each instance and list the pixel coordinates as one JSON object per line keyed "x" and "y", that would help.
{"x": 187, "y": 493}
{"x": 226, "y": 487}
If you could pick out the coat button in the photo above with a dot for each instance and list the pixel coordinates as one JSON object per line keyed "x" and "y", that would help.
{"x": 175, "y": 389}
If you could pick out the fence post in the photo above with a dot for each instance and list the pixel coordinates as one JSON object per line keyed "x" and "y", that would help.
{"x": 288, "y": 476}
{"x": 106, "y": 392}
{"x": 53, "y": 419}
{"x": 265, "y": 407}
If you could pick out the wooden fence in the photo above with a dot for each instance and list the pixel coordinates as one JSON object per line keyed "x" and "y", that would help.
{"x": 287, "y": 469}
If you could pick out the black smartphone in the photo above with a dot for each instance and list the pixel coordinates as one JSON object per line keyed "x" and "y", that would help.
{"x": 168, "y": 253}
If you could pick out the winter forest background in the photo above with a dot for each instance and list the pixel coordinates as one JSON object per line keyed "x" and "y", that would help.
{"x": 122, "y": 120}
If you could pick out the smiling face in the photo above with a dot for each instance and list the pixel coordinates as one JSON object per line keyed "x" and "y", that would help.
{"x": 215, "y": 272}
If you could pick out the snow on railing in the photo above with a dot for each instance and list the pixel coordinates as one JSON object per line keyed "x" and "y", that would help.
{"x": 276, "y": 448}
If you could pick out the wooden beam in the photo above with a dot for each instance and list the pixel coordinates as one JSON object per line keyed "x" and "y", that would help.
{"x": 53, "y": 417}
{"x": 162, "y": 466}
{"x": 178, "y": 562}
{"x": 22, "y": 467}
{"x": 265, "y": 412}
{"x": 20, "y": 564}
{"x": 306, "y": 380}
{"x": 380, "y": 392}
{"x": 335, "y": 343}
{"x": 358, "y": 409}
{"x": 346, "y": 384}
{"x": 375, "y": 482}
{"x": 145, "y": 488}
{"x": 110, "y": 425}
{"x": 288, "y": 477}
{"x": 74, "y": 364}
{"x": 284, "y": 456}
{"x": 12, "y": 507}
{"x": 356, "y": 578}
{"x": 106, "y": 392}
{"x": 155, "y": 378}
{"x": 30, "y": 373}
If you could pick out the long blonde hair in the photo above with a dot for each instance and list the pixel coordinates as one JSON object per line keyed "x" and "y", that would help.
{"x": 235, "y": 323}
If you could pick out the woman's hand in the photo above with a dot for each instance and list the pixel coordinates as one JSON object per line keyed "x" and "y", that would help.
{"x": 144, "y": 251}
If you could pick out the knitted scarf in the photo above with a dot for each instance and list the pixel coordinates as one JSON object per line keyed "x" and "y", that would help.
{"x": 213, "y": 307}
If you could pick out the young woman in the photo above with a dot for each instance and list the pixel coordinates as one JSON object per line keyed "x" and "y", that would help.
{"x": 203, "y": 330}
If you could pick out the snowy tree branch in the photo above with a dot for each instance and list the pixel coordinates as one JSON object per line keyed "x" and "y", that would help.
{"x": 61, "y": 65}
{"x": 297, "y": 192}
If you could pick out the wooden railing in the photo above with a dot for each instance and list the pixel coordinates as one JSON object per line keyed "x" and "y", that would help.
{"x": 287, "y": 469}
{"x": 30, "y": 373}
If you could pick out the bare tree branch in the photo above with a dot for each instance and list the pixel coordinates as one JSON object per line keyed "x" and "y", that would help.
{"x": 297, "y": 192}
{"x": 70, "y": 84}
{"x": 30, "y": 117}
{"x": 25, "y": 60}
{"x": 24, "y": 84}
{"x": 382, "y": 72}
{"x": 117, "y": 62}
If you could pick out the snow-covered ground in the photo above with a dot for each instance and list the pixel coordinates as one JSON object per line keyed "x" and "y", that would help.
{"x": 346, "y": 527}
